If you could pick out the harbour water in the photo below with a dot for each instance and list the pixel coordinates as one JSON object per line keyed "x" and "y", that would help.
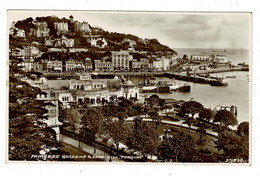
{"x": 236, "y": 93}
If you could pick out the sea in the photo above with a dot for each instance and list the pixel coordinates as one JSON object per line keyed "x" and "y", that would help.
{"x": 236, "y": 56}
{"x": 237, "y": 93}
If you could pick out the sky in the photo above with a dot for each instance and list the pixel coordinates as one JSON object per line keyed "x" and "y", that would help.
{"x": 174, "y": 29}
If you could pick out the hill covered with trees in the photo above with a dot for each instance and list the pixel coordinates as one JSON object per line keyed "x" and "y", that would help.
{"x": 115, "y": 41}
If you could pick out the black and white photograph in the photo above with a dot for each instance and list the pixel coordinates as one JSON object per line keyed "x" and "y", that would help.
{"x": 129, "y": 87}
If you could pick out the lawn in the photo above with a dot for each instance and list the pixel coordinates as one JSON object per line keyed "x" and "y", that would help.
{"x": 207, "y": 141}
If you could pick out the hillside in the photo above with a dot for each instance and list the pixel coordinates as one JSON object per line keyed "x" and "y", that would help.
{"x": 115, "y": 41}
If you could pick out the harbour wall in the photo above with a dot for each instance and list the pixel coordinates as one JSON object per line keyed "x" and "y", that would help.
{"x": 144, "y": 73}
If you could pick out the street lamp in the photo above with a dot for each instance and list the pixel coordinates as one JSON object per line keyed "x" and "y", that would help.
{"x": 80, "y": 126}
{"x": 166, "y": 131}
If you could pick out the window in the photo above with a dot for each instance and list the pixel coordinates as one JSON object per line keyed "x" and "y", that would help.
{"x": 65, "y": 98}
{"x": 98, "y": 100}
{"x": 52, "y": 94}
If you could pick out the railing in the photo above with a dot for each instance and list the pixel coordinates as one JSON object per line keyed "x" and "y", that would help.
{"x": 98, "y": 145}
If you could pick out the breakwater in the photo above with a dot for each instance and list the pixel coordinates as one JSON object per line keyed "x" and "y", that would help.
{"x": 187, "y": 78}
{"x": 214, "y": 81}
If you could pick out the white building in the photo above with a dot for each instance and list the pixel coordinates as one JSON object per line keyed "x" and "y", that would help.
{"x": 40, "y": 29}
{"x": 70, "y": 65}
{"x": 85, "y": 90}
{"x": 157, "y": 65}
{"x": 221, "y": 59}
{"x": 30, "y": 51}
{"x": 136, "y": 64}
{"x": 27, "y": 65}
{"x": 103, "y": 65}
{"x": 201, "y": 58}
{"x": 129, "y": 90}
{"x": 120, "y": 60}
{"x": 174, "y": 60}
{"x": 20, "y": 33}
{"x": 161, "y": 64}
{"x": 99, "y": 42}
{"x": 88, "y": 64}
{"x": 58, "y": 42}
{"x": 79, "y": 65}
{"x": 61, "y": 27}
{"x": 64, "y": 41}
{"x": 165, "y": 63}
{"x": 54, "y": 65}
{"x": 82, "y": 27}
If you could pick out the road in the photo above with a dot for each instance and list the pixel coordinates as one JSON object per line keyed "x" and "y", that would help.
{"x": 89, "y": 149}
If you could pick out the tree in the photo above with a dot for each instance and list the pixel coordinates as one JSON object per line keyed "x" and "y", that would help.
{"x": 146, "y": 109}
{"x": 191, "y": 107}
{"x": 155, "y": 117}
{"x": 152, "y": 100}
{"x": 243, "y": 129}
{"x": 206, "y": 114}
{"x": 143, "y": 138}
{"x": 201, "y": 130}
{"x": 161, "y": 103}
{"x": 233, "y": 146}
{"x": 100, "y": 43}
{"x": 189, "y": 121}
{"x": 138, "y": 109}
{"x": 92, "y": 121}
{"x": 72, "y": 118}
{"x": 124, "y": 104}
{"x": 25, "y": 25}
{"x": 118, "y": 131}
{"x": 120, "y": 115}
{"x": 225, "y": 118}
{"x": 168, "y": 107}
{"x": 179, "y": 147}
{"x": 28, "y": 134}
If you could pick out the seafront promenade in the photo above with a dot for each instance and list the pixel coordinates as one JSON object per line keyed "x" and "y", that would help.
{"x": 146, "y": 73}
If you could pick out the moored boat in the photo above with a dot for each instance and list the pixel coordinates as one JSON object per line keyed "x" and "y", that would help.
{"x": 166, "y": 88}
{"x": 218, "y": 82}
{"x": 184, "y": 88}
